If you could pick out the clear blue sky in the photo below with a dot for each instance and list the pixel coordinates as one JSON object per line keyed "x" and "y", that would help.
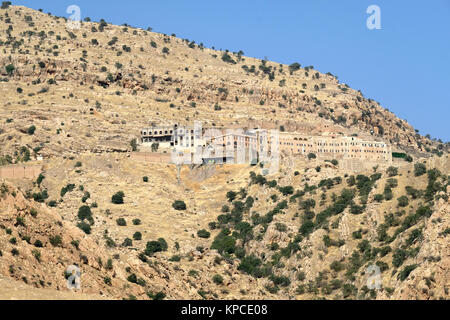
{"x": 405, "y": 66}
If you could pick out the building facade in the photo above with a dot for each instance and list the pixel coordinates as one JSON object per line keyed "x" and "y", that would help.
{"x": 233, "y": 145}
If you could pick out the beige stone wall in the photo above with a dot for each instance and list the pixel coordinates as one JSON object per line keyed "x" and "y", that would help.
{"x": 335, "y": 147}
{"x": 20, "y": 172}
{"x": 151, "y": 157}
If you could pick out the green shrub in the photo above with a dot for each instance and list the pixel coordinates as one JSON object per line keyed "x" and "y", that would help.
{"x": 133, "y": 144}
{"x": 163, "y": 243}
{"x": 399, "y": 257}
{"x": 391, "y": 183}
{"x": 175, "y": 258}
{"x": 31, "y": 130}
{"x": 218, "y": 279}
{"x": 155, "y": 246}
{"x": 406, "y": 271}
{"x": 357, "y": 234}
{"x": 10, "y": 69}
{"x": 121, "y": 222}
{"x": 56, "y": 241}
{"x": 280, "y": 227}
{"x": 85, "y": 212}
{"x": 307, "y": 228}
{"x": 231, "y": 196}
{"x": 86, "y": 227}
{"x": 137, "y": 236}
{"x": 66, "y": 189}
{"x": 419, "y": 169}
{"x": 356, "y": 209}
{"x": 250, "y": 265}
{"x": 286, "y": 190}
{"x": 118, "y": 198}
{"x": 392, "y": 171}
{"x": 414, "y": 193}
{"x": 158, "y": 296}
{"x": 227, "y": 58}
{"x": 378, "y": 197}
{"x": 179, "y": 205}
{"x": 403, "y": 201}
{"x": 280, "y": 280}
{"x": 349, "y": 290}
{"x": 6, "y": 4}
{"x": 294, "y": 67}
{"x": 132, "y": 278}
{"x": 127, "y": 242}
{"x": 38, "y": 244}
{"x": 203, "y": 234}
{"x": 337, "y": 266}
{"x": 388, "y": 195}
{"x": 224, "y": 243}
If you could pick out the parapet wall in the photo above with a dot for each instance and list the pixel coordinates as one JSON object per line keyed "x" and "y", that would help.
{"x": 20, "y": 172}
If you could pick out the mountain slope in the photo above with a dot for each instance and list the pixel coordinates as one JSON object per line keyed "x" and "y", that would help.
{"x": 308, "y": 231}
{"x": 104, "y": 82}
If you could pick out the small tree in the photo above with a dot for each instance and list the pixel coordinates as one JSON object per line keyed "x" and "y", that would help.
{"x": 133, "y": 144}
{"x": 294, "y": 67}
{"x": 179, "y": 205}
{"x": 85, "y": 213}
{"x": 137, "y": 236}
{"x": 155, "y": 246}
{"x": 56, "y": 241}
{"x": 10, "y": 69}
{"x": 419, "y": 169}
{"x": 378, "y": 197}
{"x": 155, "y": 147}
{"x": 403, "y": 201}
{"x": 6, "y": 4}
{"x": 121, "y": 222}
{"x": 86, "y": 227}
{"x": 312, "y": 156}
{"x": 118, "y": 198}
{"x": 392, "y": 171}
{"x": 127, "y": 242}
{"x": 31, "y": 130}
{"x": 218, "y": 279}
{"x": 227, "y": 58}
{"x": 203, "y": 234}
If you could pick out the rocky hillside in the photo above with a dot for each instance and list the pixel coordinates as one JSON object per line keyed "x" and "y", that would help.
{"x": 93, "y": 88}
{"x": 307, "y": 232}
{"x": 139, "y": 231}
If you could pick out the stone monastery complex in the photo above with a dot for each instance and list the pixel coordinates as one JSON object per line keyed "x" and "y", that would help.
{"x": 332, "y": 146}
